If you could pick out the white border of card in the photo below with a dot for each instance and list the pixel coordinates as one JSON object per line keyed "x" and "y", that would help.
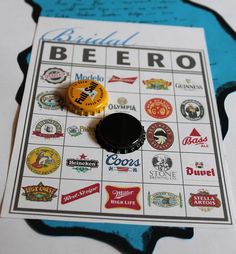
{"x": 58, "y": 170}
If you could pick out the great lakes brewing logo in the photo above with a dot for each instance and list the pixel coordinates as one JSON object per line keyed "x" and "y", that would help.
{"x": 40, "y": 192}
{"x": 83, "y": 164}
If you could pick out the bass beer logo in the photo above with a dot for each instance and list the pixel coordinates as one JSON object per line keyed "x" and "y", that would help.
{"x": 122, "y": 197}
{"x": 158, "y": 108}
{"x": 55, "y": 75}
{"x": 129, "y": 80}
{"x": 204, "y": 200}
{"x": 48, "y": 129}
{"x": 199, "y": 170}
{"x": 160, "y": 136}
{"x": 122, "y": 165}
{"x": 40, "y": 192}
{"x": 81, "y": 193}
{"x": 162, "y": 163}
{"x": 83, "y": 164}
{"x": 195, "y": 139}
{"x": 165, "y": 199}
{"x": 192, "y": 110}
{"x": 157, "y": 84}
{"x": 43, "y": 160}
{"x": 50, "y": 100}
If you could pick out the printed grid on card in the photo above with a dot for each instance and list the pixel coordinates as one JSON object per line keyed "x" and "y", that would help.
{"x": 174, "y": 176}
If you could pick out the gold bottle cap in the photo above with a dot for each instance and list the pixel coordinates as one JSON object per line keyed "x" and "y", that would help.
{"x": 86, "y": 97}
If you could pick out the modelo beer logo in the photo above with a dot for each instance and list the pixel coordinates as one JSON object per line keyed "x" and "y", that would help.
{"x": 84, "y": 76}
{"x": 122, "y": 165}
{"x": 204, "y": 200}
{"x": 196, "y": 139}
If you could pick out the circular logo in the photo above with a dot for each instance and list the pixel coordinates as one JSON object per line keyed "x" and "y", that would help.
{"x": 160, "y": 136}
{"x": 122, "y": 101}
{"x": 73, "y": 131}
{"x": 55, "y": 75}
{"x": 192, "y": 110}
{"x": 158, "y": 108}
{"x": 50, "y": 100}
{"x": 43, "y": 160}
{"x": 48, "y": 128}
{"x": 162, "y": 162}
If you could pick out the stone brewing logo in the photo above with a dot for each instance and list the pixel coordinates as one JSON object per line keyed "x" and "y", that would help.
{"x": 158, "y": 108}
{"x": 192, "y": 110}
{"x": 160, "y": 136}
{"x": 196, "y": 139}
{"x": 162, "y": 163}
{"x": 55, "y": 75}
{"x": 199, "y": 171}
{"x": 122, "y": 165}
{"x": 130, "y": 80}
{"x": 188, "y": 85}
{"x": 39, "y": 192}
{"x": 157, "y": 84}
{"x": 122, "y": 197}
{"x": 83, "y": 164}
{"x": 165, "y": 199}
{"x": 204, "y": 200}
{"x": 50, "y": 100}
{"x": 48, "y": 128}
{"x": 122, "y": 105}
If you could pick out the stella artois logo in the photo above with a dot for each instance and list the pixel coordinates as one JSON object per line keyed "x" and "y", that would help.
{"x": 196, "y": 139}
{"x": 204, "y": 200}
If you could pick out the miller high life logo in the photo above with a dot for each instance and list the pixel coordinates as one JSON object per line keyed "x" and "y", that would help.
{"x": 122, "y": 197}
{"x": 81, "y": 193}
{"x": 39, "y": 192}
{"x": 196, "y": 139}
{"x": 83, "y": 164}
{"x": 204, "y": 200}
{"x": 130, "y": 80}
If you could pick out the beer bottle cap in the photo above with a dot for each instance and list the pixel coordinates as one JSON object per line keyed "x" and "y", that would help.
{"x": 120, "y": 133}
{"x": 86, "y": 97}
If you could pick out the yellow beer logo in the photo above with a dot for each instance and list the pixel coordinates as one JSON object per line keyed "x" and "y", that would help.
{"x": 43, "y": 160}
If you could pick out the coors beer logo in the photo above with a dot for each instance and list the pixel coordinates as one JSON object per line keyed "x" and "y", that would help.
{"x": 195, "y": 139}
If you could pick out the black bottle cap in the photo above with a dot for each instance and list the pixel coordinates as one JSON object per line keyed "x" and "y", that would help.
{"x": 120, "y": 133}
